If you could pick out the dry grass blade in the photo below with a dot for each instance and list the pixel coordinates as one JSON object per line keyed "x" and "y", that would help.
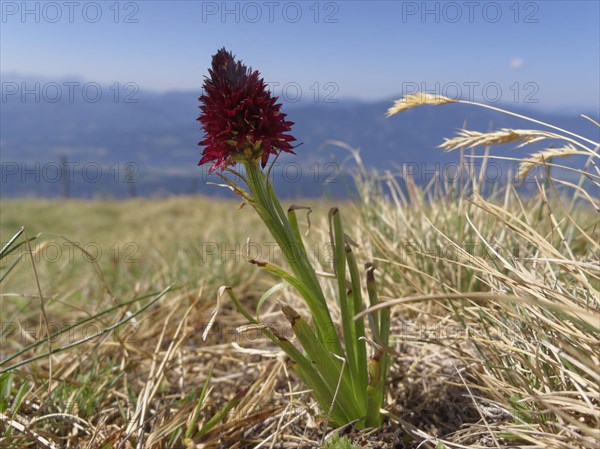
{"x": 157, "y": 373}
{"x": 24, "y": 428}
{"x": 418, "y": 99}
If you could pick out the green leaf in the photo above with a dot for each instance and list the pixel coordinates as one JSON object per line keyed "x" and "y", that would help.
{"x": 359, "y": 346}
{"x": 6, "y": 249}
{"x": 346, "y": 308}
{"x": 268, "y": 293}
{"x": 194, "y": 419}
{"x": 220, "y": 415}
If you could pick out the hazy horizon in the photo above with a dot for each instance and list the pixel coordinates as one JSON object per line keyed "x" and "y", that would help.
{"x": 305, "y": 98}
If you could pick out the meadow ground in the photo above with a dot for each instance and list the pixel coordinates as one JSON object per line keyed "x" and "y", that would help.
{"x": 495, "y": 320}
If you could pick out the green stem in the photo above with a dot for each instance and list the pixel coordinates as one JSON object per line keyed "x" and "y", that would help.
{"x": 379, "y": 363}
{"x": 271, "y": 212}
{"x": 375, "y": 392}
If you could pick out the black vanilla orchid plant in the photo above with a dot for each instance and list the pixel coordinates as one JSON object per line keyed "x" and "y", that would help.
{"x": 243, "y": 124}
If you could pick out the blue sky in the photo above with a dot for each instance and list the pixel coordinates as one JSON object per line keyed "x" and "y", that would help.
{"x": 542, "y": 54}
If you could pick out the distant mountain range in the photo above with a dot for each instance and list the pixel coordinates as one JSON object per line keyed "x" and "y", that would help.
{"x": 117, "y": 134}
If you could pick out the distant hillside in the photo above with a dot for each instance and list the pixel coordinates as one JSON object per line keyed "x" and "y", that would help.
{"x": 159, "y": 135}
